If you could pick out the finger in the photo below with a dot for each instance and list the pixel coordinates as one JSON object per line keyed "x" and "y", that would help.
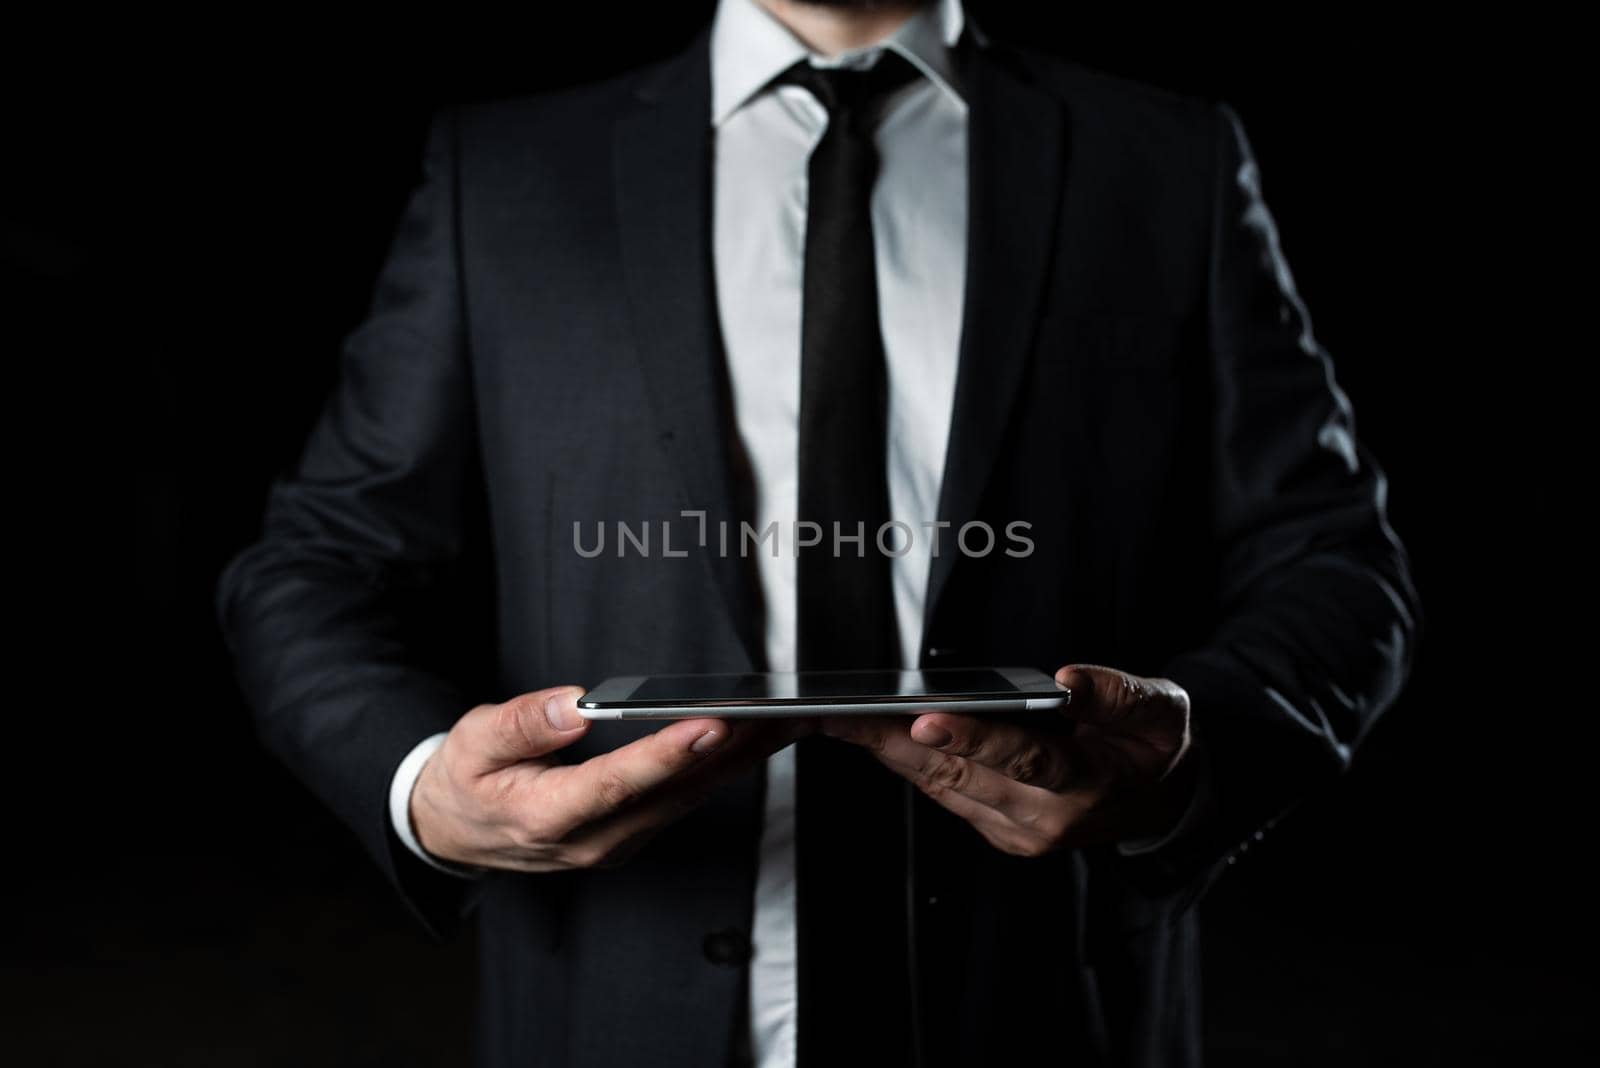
{"x": 1138, "y": 724}
{"x": 988, "y": 821}
{"x": 528, "y": 726}
{"x": 938, "y": 774}
{"x": 1099, "y": 693}
{"x": 1026, "y": 754}
{"x": 896, "y": 752}
{"x": 1012, "y": 816}
{"x": 1109, "y": 697}
{"x": 575, "y": 794}
{"x": 616, "y": 835}
{"x": 613, "y": 838}
{"x": 610, "y": 782}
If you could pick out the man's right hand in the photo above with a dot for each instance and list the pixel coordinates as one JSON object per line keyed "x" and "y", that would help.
{"x": 492, "y": 797}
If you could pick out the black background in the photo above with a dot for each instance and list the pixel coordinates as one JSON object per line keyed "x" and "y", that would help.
{"x": 195, "y": 218}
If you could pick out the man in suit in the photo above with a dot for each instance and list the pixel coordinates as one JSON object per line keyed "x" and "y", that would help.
{"x": 855, "y": 265}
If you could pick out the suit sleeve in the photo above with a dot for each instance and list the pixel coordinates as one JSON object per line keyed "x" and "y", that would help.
{"x": 1318, "y": 617}
{"x": 323, "y": 614}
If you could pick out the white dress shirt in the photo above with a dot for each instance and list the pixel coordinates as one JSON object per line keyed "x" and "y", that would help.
{"x": 763, "y": 138}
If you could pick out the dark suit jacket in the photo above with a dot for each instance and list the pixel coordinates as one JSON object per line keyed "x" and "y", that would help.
{"x": 1138, "y": 380}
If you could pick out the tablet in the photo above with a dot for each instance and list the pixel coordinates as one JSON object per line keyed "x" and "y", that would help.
{"x": 824, "y": 693}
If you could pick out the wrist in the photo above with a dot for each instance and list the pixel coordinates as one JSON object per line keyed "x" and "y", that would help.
{"x": 416, "y": 812}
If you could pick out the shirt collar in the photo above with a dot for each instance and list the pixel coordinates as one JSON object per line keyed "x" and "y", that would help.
{"x": 749, "y": 47}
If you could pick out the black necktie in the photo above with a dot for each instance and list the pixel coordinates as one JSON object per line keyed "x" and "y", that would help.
{"x": 853, "y": 972}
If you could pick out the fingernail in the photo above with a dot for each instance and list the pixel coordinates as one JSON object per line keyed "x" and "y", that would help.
{"x": 707, "y": 742}
{"x": 933, "y": 734}
{"x": 562, "y": 711}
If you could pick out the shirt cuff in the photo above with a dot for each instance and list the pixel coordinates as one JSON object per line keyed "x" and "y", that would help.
{"x": 400, "y": 787}
{"x": 1133, "y": 847}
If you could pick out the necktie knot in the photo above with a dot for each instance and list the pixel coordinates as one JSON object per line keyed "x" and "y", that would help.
{"x": 852, "y": 95}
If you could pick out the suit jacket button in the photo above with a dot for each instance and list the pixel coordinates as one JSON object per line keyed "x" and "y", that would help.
{"x": 730, "y": 946}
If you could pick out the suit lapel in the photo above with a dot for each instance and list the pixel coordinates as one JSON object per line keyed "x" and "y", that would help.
{"x": 662, "y": 173}
{"x": 1016, "y": 157}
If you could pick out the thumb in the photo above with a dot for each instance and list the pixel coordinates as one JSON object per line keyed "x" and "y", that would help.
{"x": 1146, "y": 718}
{"x": 526, "y": 727}
{"x": 1100, "y": 695}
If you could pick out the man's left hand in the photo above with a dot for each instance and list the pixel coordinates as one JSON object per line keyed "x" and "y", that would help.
{"x": 1107, "y": 766}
